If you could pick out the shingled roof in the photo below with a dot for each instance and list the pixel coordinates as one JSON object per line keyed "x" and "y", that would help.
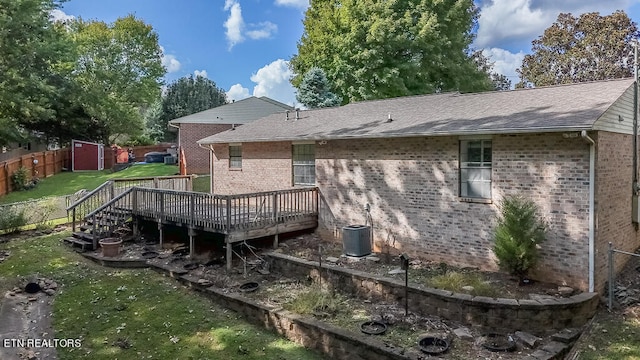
{"x": 238, "y": 112}
{"x": 545, "y": 109}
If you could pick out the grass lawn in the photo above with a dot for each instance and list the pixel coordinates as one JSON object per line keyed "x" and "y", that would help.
{"x": 153, "y": 315}
{"x": 202, "y": 183}
{"x": 66, "y": 183}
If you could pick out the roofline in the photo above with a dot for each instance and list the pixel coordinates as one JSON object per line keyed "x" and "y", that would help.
{"x": 434, "y": 134}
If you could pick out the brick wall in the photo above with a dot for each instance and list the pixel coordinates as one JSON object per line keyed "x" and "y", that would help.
{"x": 197, "y": 157}
{"x": 412, "y": 187}
{"x": 614, "y": 164}
{"x": 265, "y": 167}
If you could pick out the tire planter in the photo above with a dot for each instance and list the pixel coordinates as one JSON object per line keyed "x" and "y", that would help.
{"x": 110, "y": 246}
{"x": 373, "y": 328}
{"x": 499, "y": 343}
{"x": 32, "y": 288}
{"x": 433, "y": 345}
{"x": 249, "y": 286}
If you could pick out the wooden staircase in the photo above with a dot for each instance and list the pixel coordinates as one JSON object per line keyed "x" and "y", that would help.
{"x": 104, "y": 211}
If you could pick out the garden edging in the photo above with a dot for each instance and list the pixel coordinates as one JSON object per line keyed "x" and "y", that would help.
{"x": 542, "y": 317}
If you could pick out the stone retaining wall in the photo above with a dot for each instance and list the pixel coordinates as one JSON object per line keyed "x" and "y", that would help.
{"x": 496, "y": 314}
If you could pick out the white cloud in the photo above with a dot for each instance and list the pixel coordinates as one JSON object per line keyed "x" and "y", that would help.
{"x": 505, "y": 20}
{"x": 234, "y": 23}
{"x": 237, "y": 92}
{"x": 263, "y": 30}
{"x": 237, "y": 29}
{"x": 273, "y": 81}
{"x": 521, "y": 21}
{"x": 59, "y": 15}
{"x": 170, "y": 62}
{"x": 505, "y": 62}
{"x": 303, "y": 4}
{"x": 202, "y": 73}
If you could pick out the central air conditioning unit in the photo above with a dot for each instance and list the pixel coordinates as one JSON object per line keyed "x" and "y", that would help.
{"x": 356, "y": 240}
{"x": 170, "y": 160}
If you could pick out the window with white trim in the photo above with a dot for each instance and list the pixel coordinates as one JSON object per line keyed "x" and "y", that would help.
{"x": 235, "y": 157}
{"x": 475, "y": 169}
{"x": 304, "y": 164}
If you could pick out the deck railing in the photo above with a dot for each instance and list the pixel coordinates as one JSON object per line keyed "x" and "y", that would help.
{"x": 112, "y": 188}
{"x": 225, "y": 212}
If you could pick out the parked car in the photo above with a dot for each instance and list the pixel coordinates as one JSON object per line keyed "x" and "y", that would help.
{"x": 155, "y": 157}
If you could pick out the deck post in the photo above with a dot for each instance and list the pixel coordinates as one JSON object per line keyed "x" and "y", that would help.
{"x": 192, "y": 242}
{"x": 161, "y": 232}
{"x": 229, "y": 251}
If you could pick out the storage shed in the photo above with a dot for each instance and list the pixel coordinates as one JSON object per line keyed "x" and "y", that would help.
{"x": 86, "y": 156}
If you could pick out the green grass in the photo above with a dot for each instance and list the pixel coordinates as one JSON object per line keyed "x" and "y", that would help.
{"x": 156, "y": 316}
{"x": 202, "y": 183}
{"x": 66, "y": 183}
{"x": 456, "y": 280}
{"x": 614, "y": 336}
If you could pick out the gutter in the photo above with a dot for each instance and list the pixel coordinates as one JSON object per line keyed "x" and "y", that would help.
{"x": 210, "y": 148}
{"x": 592, "y": 225}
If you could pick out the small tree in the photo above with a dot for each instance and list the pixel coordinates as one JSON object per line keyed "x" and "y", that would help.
{"x": 519, "y": 231}
{"x": 314, "y": 91}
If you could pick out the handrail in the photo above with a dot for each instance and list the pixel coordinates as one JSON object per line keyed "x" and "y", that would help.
{"x": 110, "y": 202}
{"x": 88, "y": 195}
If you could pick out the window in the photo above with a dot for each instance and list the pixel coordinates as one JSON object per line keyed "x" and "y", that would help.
{"x": 475, "y": 169}
{"x": 304, "y": 164}
{"x": 235, "y": 157}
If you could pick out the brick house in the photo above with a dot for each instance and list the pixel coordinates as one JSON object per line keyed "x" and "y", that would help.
{"x": 194, "y": 127}
{"x": 434, "y": 168}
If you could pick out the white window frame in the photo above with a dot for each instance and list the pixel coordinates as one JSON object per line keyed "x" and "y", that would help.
{"x": 235, "y": 161}
{"x": 475, "y": 174}
{"x": 303, "y": 164}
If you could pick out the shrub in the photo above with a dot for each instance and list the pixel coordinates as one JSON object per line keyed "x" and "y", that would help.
{"x": 517, "y": 235}
{"x": 12, "y": 219}
{"x": 19, "y": 179}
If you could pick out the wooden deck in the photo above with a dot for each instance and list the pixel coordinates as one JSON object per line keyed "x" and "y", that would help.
{"x": 239, "y": 217}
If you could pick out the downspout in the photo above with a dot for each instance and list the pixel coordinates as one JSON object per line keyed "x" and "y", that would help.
{"x": 592, "y": 225}
{"x": 210, "y": 148}
{"x": 177, "y": 127}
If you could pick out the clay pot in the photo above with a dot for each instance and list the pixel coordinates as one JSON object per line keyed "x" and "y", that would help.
{"x": 110, "y": 246}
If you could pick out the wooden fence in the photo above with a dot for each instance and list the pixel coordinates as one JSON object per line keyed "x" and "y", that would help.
{"x": 41, "y": 164}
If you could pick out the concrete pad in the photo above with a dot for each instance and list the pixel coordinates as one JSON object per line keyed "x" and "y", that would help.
{"x": 22, "y": 317}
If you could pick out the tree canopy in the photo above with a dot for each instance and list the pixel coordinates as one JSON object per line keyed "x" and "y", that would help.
{"x": 314, "y": 90}
{"x": 119, "y": 71}
{"x": 185, "y": 96}
{"x": 78, "y": 79}
{"x": 373, "y": 49}
{"x": 585, "y": 48}
{"x": 33, "y": 54}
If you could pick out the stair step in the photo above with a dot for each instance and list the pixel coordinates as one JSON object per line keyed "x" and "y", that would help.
{"x": 88, "y": 237}
{"x": 84, "y": 244}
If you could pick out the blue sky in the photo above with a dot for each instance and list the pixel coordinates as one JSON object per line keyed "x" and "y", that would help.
{"x": 244, "y": 45}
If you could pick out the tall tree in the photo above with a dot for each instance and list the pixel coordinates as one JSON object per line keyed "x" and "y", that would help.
{"x": 186, "y": 96}
{"x": 587, "y": 48}
{"x": 119, "y": 71}
{"x": 32, "y": 52}
{"x": 378, "y": 49}
{"x": 314, "y": 90}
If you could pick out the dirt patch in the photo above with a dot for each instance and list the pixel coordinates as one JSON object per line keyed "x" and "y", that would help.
{"x": 421, "y": 271}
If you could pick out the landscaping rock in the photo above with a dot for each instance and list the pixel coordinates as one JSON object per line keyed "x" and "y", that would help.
{"x": 396, "y": 271}
{"x": 373, "y": 258}
{"x": 332, "y": 259}
{"x": 540, "y": 297}
{"x": 463, "y": 333}
{"x": 565, "y": 291}
{"x": 49, "y": 292}
{"x": 529, "y": 340}
{"x": 468, "y": 288}
{"x": 566, "y": 336}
